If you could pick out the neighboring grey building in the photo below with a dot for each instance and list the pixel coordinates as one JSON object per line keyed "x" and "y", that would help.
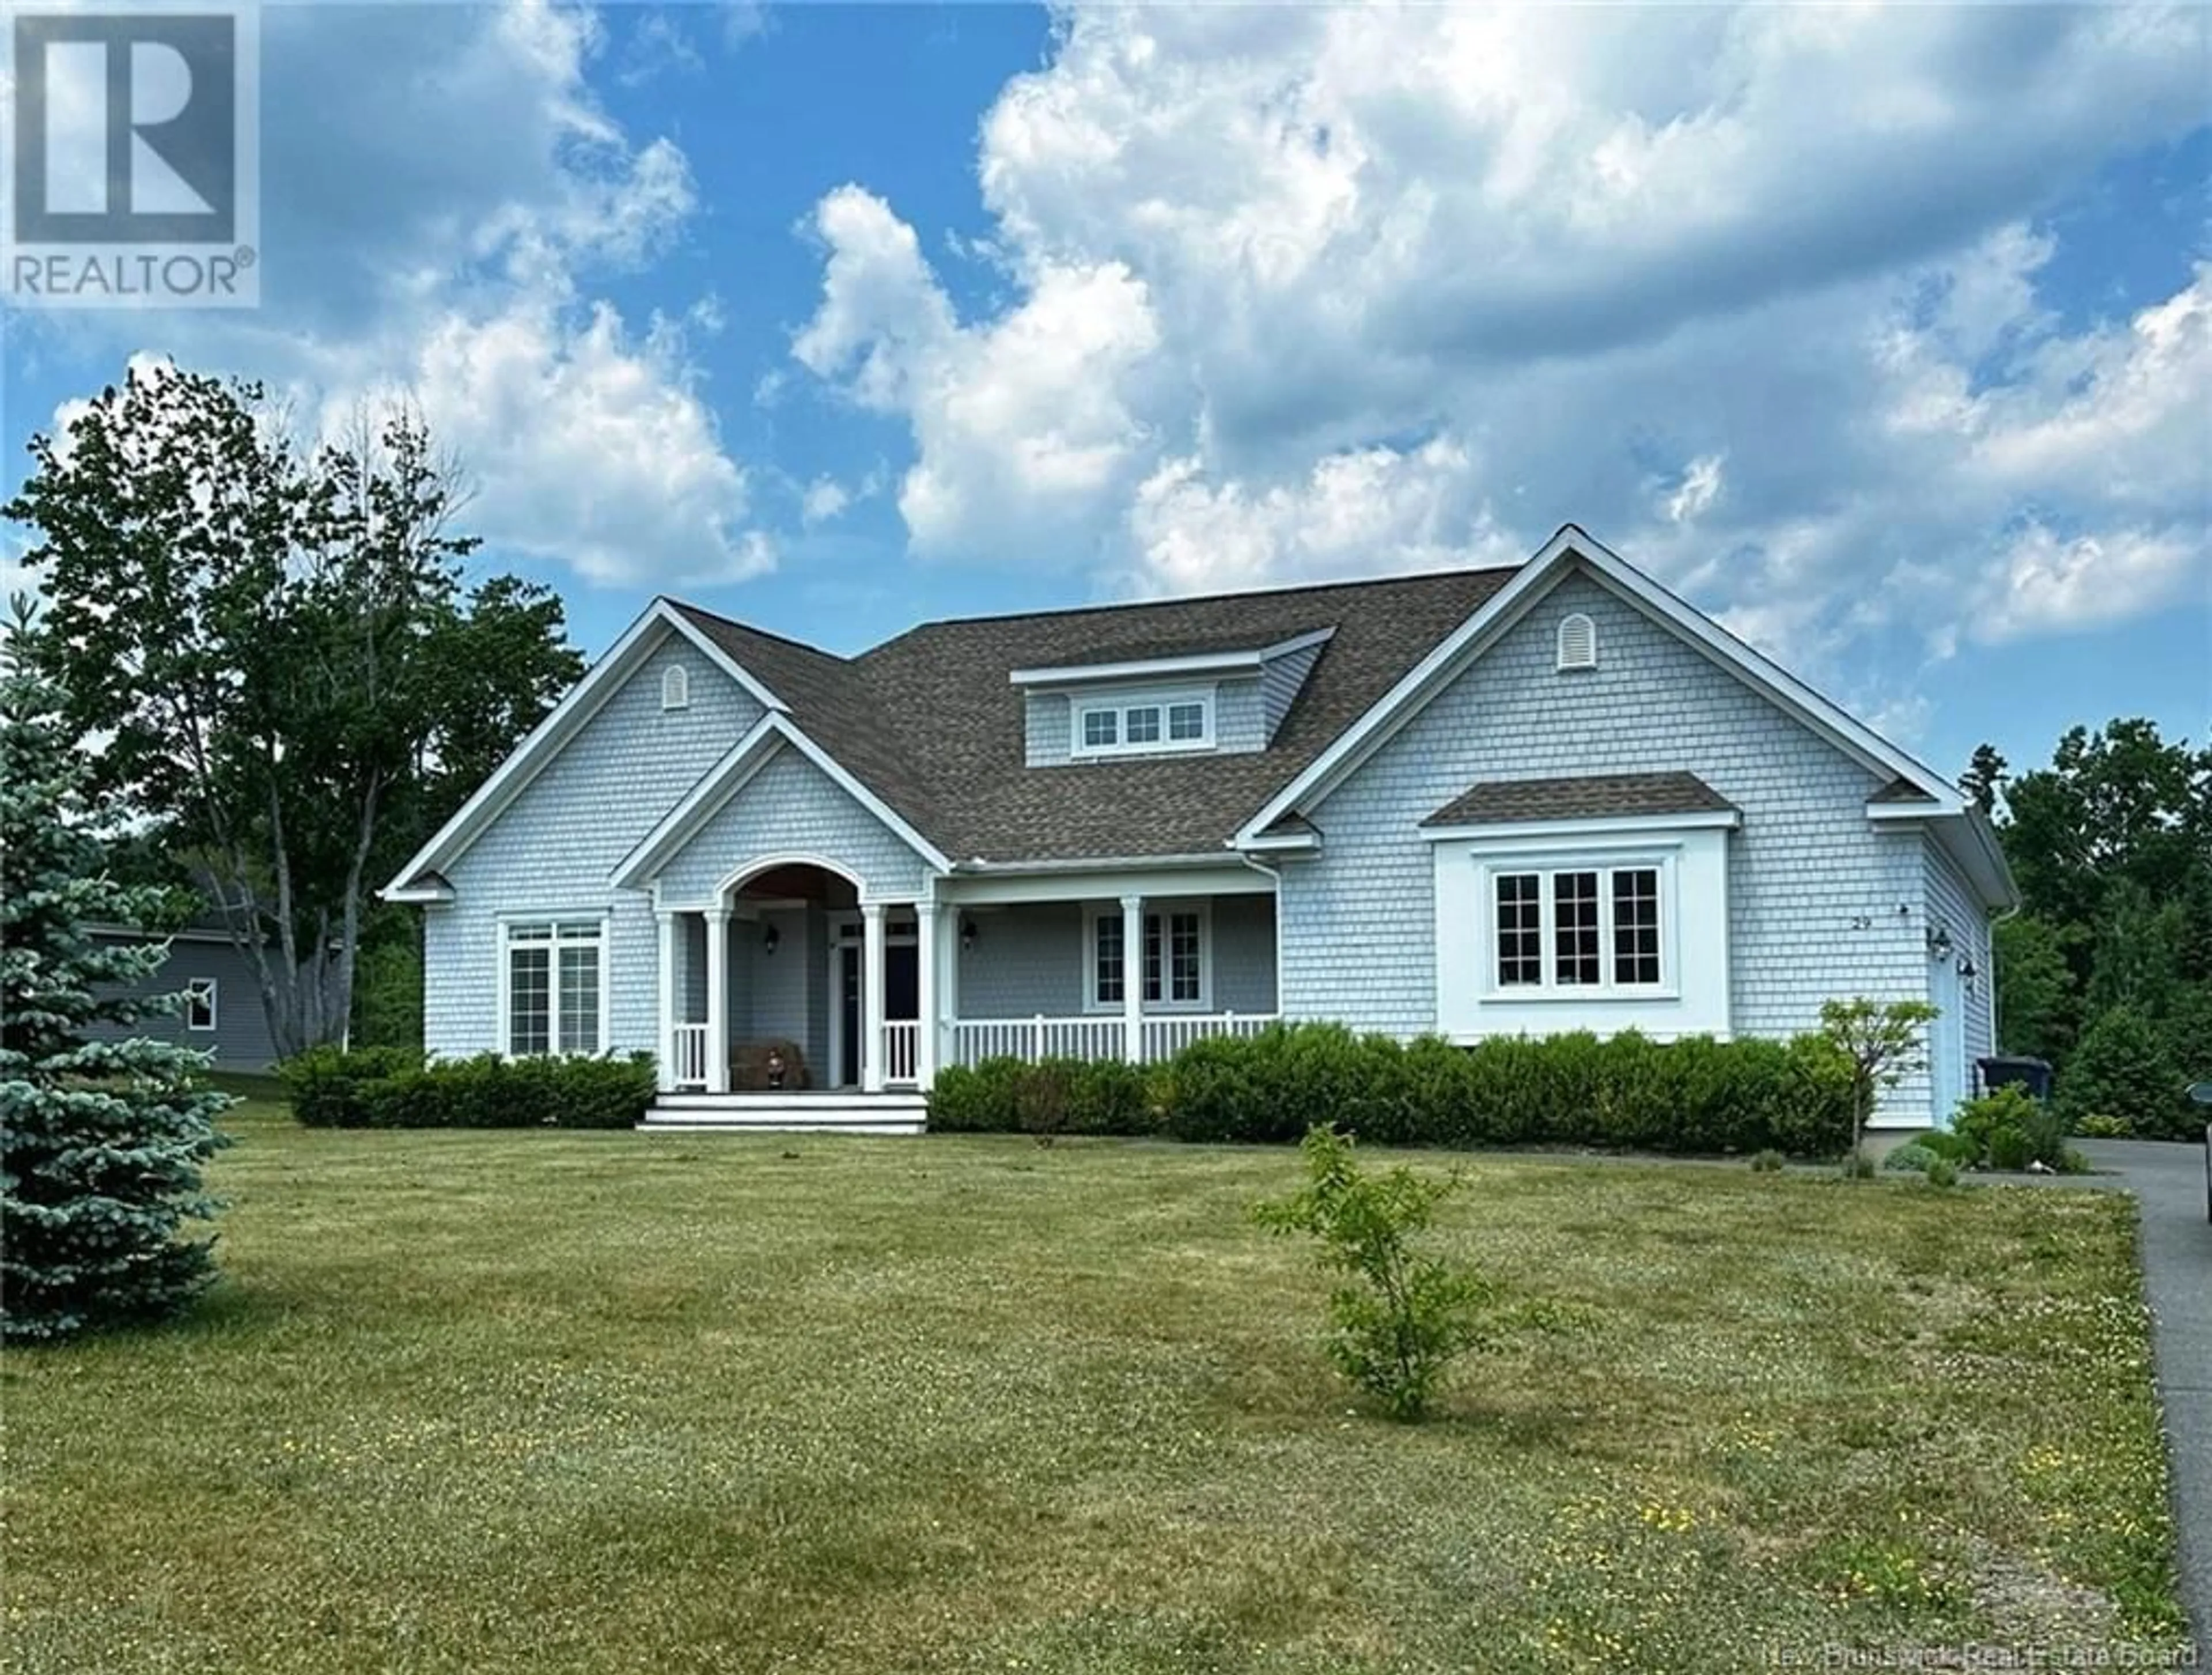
{"x": 1524, "y": 800}
{"x": 222, "y": 1012}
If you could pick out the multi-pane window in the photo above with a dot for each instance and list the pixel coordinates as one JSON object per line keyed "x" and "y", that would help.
{"x": 1106, "y": 975}
{"x": 1635, "y": 924}
{"x": 554, "y": 977}
{"x": 1111, "y": 727}
{"x": 1520, "y": 930}
{"x": 199, "y": 1004}
{"x": 1579, "y": 928}
{"x": 1575, "y": 929}
{"x": 1172, "y": 959}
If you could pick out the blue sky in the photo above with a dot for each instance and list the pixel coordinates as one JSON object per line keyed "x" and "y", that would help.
{"x": 1886, "y": 337}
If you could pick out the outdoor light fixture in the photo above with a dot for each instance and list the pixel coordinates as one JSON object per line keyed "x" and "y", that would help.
{"x": 1939, "y": 941}
{"x": 1966, "y": 968}
{"x": 769, "y": 938}
{"x": 967, "y": 933}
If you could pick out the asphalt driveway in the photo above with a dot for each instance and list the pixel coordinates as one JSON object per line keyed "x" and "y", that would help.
{"x": 2168, "y": 1180}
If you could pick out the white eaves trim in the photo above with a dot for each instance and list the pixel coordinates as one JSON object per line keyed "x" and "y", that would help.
{"x": 1967, "y": 836}
{"x": 1610, "y": 825}
{"x": 728, "y": 776}
{"x": 1204, "y": 662}
{"x": 1500, "y": 612}
{"x": 544, "y": 741}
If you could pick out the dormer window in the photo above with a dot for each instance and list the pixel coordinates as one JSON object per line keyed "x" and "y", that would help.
{"x": 1127, "y": 724}
{"x": 676, "y": 686}
{"x": 1577, "y": 642}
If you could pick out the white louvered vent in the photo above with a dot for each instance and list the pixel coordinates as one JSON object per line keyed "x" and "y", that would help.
{"x": 675, "y": 688}
{"x": 1577, "y": 642}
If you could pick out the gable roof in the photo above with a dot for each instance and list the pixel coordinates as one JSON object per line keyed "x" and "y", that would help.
{"x": 1590, "y": 797}
{"x": 930, "y": 722}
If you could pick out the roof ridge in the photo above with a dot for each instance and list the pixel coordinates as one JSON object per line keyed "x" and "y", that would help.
{"x": 690, "y": 608}
{"x": 1169, "y": 599}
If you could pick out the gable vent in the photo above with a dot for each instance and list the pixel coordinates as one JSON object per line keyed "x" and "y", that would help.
{"x": 1577, "y": 642}
{"x": 675, "y": 688}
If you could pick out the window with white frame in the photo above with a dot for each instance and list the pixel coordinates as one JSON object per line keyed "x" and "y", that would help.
{"x": 1127, "y": 724}
{"x": 1586, "y": 928}
{"x": 555, "y": 993}
{"x": 199, "y": 1004}
{"x": 1173, "y": 963}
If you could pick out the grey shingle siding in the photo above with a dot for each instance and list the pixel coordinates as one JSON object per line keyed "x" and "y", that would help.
{"x": 791, "y": 806}
{"x": 1048, "y": 718}
{"x": 1952, "y": 902}
{"x": 240, "y": 1039}
{"x": 554, "y": 846}
{"x": 1034, "y": 959}
{"x": 1280, "y": 680}
{"x": 1805, "y": 869}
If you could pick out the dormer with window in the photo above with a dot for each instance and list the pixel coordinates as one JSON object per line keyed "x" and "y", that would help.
{"x": 1225, "y": 700}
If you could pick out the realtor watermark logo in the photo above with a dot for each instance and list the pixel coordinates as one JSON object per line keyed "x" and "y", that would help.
{"x": 134, "y": 173}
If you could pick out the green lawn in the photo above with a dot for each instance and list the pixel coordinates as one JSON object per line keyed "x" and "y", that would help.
{"x": 605, "y": 1402}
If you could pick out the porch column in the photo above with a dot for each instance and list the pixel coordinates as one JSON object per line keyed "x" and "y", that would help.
{"x": 670, "y": 951}
{"x": 718, "y": 997}
{"x": 871, "y": 997}
{"x": 928, "y": 918}
{"x": 1133, "y": 979}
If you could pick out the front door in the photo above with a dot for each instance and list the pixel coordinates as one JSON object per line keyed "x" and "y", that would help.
{"x": 847, "y": 1070}
{"x": 902, "y": 982}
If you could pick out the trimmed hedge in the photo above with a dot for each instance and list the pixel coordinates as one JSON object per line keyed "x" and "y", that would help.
{"x": 1626, "y": 1092}
{"x": 391, "y": 1087}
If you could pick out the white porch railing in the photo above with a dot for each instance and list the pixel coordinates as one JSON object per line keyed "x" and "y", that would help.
{"x": 1103, "y": 1035}
{"x": 1167, "y": 1034}
{"x": 902, "y": 1051}
{"x": 690, "y": 1070}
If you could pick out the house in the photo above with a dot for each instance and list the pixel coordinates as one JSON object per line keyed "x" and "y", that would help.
{"x": 222, "y": 1012}
{"x": 1533, "y": 799}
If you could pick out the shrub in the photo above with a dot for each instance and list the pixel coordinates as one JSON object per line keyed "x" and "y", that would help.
{"x": 326, "y": 1084}
{"x": 386, "y": 1087}
{"x": 1881, "y": 1044}
{"x": 2098, "y": 1127}
{"x": 1401, "y": 1317}
{"x": 1856, "y": 1166}
{"x": 1942, "y": 1172}
{"x": 2120, "y": 1069}
{"x": 1959, "y": 1149}
{"x": 1624, "y": 1093}
{"x": 1915, "y": 1156}
{"x": 2007, "y": 1130}
{"x": 1767, "y": 1162}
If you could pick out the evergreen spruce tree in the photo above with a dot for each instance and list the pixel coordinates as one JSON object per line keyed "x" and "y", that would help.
{"x": 100, "y": 1142}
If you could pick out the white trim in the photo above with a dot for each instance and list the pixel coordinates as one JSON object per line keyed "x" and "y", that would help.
{"x": 871, "y": 997}
{"x": 1222, "y": 875}
{"x": 1247, "y": 662}
{"x": 727, "y": 777}
{"x": 561, "y": 724}
{"x": 1284, "y": 843}
{"x": 1551, "y": 564}
{"x": 1118, "y": 704}
{"x": 1693, "y": 996}
{"x": 675, "y": 687}
{"x": 429, "y": 894}
{"x": 502, "y": 925}
{"x": 1132, "y": 979}
{"x": 1968, "y": 838}
{"x": 198, "y": 989}
{"x": 697, "y": 806}
{"x": 1587, "y": 826}
{"x": 756, "y": 865}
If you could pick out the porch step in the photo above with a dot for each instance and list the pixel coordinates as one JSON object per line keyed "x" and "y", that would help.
{"x": 787, "y": 1114}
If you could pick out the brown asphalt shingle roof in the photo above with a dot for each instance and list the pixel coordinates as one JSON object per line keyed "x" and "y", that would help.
{"x": 928, "y": 722}
{"x": 1590, "y": 797}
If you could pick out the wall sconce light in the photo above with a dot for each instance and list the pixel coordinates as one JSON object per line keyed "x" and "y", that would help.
{"x": 1967, "y": 970}
{"x": 967, "y": 933}
{"x": 770, "y": 938}
{"x": 1939, "y": 941}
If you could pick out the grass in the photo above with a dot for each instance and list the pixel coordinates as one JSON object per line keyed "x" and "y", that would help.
{"x": 603, "y": 1402}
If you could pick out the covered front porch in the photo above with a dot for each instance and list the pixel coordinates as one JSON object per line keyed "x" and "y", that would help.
{"x": 798, "y": 982}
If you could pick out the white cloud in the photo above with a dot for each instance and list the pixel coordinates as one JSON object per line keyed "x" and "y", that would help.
{"x": 441, "y": 233}
{"x": 1754, "y": 294}
{"x": 823, "y": 500}
{"x": 2043, "y": 583}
